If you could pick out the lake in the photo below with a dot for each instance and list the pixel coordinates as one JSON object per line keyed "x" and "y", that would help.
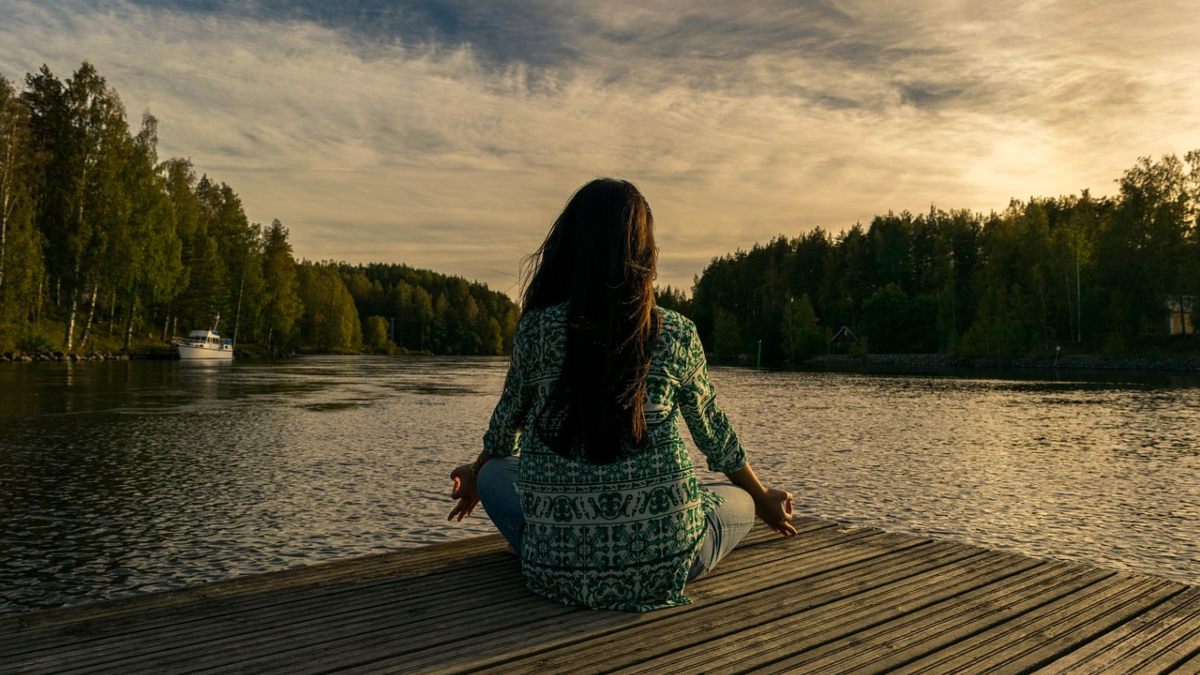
{"x": 119, "y": 478}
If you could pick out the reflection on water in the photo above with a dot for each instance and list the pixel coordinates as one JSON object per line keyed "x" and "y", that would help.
{"x": 134, "y": 476}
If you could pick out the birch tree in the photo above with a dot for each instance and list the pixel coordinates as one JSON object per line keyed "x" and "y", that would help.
{"x": 20, "y": 244}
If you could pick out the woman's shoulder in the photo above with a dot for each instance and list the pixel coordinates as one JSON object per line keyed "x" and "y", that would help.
{"x": 542, "y": 315}
{"x": 676, "y": 325}
{"x": 677, "y": 329}
{"x": 675, "y": 340}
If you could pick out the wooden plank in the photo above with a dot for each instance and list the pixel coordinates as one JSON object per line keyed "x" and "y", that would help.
{"x": 573, "y": 647}
{"x": 181, "y": 643}
{"x": 1153, "y": 642}
{"x": 1035, "y": 637}
{"x": 778, "y": 634}
{"x": 520, "y": 623}
{"x": 247, "y": 607}
{"x": 232, "y": 640}
{"x": 432, "y": 641}
{"x": 1189, "y": 665}
{"x": 252, "y": 627}
{"x": 408, "y": 562}
{"x": 832, "y": 599}
{"x": 934, "y": 627}
{"x": 58, "y": 634}
{"x": 1066, "y": 637}
{"x": 761, "y": 534}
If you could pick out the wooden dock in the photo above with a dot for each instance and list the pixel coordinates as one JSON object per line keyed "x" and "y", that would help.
{"x": 832, "y": 599}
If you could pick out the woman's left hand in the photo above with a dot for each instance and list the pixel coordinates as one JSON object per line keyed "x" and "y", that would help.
{"x": 465, "y": 491}
{"x": 774, "y": 507}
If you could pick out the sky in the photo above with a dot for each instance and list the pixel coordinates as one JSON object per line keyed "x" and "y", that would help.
{"x": 448, "y": 134}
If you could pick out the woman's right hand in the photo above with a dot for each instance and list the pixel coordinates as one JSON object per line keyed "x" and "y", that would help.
{"x": 465, "y": 491}
{"x": 774, "y": 507}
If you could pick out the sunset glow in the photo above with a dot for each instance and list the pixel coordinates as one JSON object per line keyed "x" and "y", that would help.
{"x": 448, "y": 134}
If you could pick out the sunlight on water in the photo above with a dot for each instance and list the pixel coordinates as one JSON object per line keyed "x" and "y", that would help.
{"x": 127, "y": 477}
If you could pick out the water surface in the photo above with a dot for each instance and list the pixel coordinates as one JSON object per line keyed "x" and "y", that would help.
{"x": 126, "y": 477}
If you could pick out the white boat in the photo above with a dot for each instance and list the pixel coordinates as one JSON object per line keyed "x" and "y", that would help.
{"x": 204, "y": 345}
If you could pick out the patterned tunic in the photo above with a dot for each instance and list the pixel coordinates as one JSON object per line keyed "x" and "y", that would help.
{"x": 621, "y": 535}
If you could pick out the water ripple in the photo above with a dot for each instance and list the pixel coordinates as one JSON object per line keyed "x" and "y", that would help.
{"x": 129, "y": 477}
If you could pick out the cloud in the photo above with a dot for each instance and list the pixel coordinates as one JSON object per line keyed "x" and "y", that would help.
{"x": 448, "y": 134}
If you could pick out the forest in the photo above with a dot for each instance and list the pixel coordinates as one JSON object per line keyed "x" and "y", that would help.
{"x": 1082, "y": 274}
{"x": 103, "y": 247}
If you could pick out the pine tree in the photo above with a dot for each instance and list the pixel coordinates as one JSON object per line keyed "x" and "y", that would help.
{"x": 282, "y": 305}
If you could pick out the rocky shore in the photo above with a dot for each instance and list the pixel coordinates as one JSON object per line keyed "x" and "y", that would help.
{"x": 18, "y": 357}
{"x": 1065, "y": 362}
{"x": 143, "y": 353}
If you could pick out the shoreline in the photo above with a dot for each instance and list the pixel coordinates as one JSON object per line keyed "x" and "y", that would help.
{"x": 835, "y": 362}
{"x": 140, "y": 354}
{"x": 1179, "y": 364}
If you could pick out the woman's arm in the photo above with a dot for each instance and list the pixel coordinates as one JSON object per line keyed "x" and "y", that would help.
{"x": 713, "y": 433}
{"x": 503, "y": 430}
{"x": 773, "y": 507}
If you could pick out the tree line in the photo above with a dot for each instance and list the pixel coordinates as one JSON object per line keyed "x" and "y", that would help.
{"x": 104, "y": 246}
{"x": 1078, "y": 273}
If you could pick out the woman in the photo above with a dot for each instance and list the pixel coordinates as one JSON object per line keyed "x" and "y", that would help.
{"x": 583, "y": 469}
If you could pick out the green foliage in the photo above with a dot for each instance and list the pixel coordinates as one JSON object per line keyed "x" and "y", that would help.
{"x": 281, "y": 303}
{"x": 34, "y": 342}
{"x": 885, "y": 319}
{"x": 727, "y": 340}
{"x": 672, "y": 298}
{"x": 105, "y": 244}
{"x": 860, "y": 349}
{"x": 432, "y": 311}
{"x": 21, "y": 263}
{"x": 375, "y": 336}
{"x": 895, "y": 323}
{"x": 1083, "y": 273}
{"x": 330, "y": 321}
{"x": 802, "y": 334}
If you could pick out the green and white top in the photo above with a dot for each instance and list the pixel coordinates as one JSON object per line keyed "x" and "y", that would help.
{"x": 622, "y": 535}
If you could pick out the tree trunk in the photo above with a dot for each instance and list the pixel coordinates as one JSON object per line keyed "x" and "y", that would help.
{"x": 69, "y": 338}
{"x": 87, "y": 326}
{"x": 6, "y": 205}
{"x": 1182, "y": 317}
{"x": 37, "y": 307}
{"x": 112, "y": 312}
{"x": 270, "y": 333}
{"x": 75, "y": 279}
{"x": 129, "y": 327}
{"x": 3, "y": 233}
{"x": 166, "y": 325}
{"x": 237, "y": 312}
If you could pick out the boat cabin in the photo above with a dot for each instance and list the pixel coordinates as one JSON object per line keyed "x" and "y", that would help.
{"x": 204, "y": 337}
{"x": 207, "y": 338}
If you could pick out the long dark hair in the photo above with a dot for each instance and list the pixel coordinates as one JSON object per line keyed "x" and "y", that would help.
{"x": 600, "y": 258}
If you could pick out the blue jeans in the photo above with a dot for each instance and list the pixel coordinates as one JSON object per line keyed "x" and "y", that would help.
{"x": 724, "y": 527}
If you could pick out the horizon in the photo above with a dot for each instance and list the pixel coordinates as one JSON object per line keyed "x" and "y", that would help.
{"x": 447, "y": 135}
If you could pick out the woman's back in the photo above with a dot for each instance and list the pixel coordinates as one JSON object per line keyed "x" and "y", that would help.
{"x": 603, "y": 504}
{"x": 622, "y": 535}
